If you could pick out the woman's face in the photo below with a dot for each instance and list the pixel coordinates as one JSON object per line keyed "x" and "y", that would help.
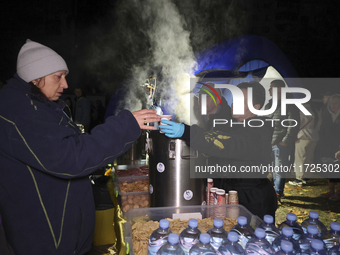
{"x": 53, "y": 85}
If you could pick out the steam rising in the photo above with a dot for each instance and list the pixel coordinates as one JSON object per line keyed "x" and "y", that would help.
{"x": 170, "y": 54}
{"x": 156, "y": 37}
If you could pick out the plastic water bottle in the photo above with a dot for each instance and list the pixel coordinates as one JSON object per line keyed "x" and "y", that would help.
{"x": 286, "y": 248}
{"x": 291, "y": 222}
{"x": 287, "y": 235}
{"x": 306, "y": 239}
{"x": 159, "y": 236}
{"x": 314, "y": 220}
{"x": 244, "y": 231}
{"x": 218, "y": 235}
{"x": 189, "y": 236}
{"x": 203, "y": 247}
{"x": 271, "y": 230}
{"x": 231, "y": 247}
{"x": 317, "y": 248}
{"x": 258, "y": 244}
{"x": 331, "y": 237}
{"x": 171, "y": 247}
{"x": 335, "y": 250}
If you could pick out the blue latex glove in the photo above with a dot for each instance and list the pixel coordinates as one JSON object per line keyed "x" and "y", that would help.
{"x": 172, "y": 129}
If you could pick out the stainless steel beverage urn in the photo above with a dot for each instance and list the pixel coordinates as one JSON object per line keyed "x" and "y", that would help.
{"x": 169, "y": 172}
{"x": 135, "y": 154}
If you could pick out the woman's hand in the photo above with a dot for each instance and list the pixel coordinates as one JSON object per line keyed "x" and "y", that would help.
{"x": 146, "y": 116}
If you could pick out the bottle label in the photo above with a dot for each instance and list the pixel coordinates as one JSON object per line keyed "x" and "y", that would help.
{"x": 296, "y": 236}
{"x": 271, "y": 235}
{"x": 202, "y": 252}
{"x": 304, "y": 246}
{"x": 224, "y": 252}
{"x": 255, "y": 249}
{"x": 330, "y": 242}
{"x": 242, "y": 240}
{"x": 304, "y": 230}
{"x": 186, "y": 243}
{"x": 216, "y": 242}
{"x": 155, "y": 245}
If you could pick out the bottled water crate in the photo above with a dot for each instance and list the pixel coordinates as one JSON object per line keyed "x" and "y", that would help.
{"x": 185, "y": 213}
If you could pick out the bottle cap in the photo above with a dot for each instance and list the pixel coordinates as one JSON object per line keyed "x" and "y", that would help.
{"x": 218, "y": 223}
{"x": 209, "y": 180}
{"x": 291, "y": 216}
{"x": 233, "y": 237}
{"x": 268, "y": 219}
{"x": 193, "y": 223}
{"x": 314, "y": 215}
{"x": 317, "y": 244}
{"x": 213, "y": 189}
{"x": 260, "y": 233}
{"x": 164, "y": 224}
{"x": 205, "y": 238}
{"x": 287, "y": 231}
{"x": 173, "y": 239}
{"x": 286, "y": 246}
{"x": 241, "y": 220}
{"x": 335, "y": 226}
{"x": 313, "y": 230}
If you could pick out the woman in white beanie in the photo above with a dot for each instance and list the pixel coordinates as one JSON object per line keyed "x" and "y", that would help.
{"x": 46, "y": 201}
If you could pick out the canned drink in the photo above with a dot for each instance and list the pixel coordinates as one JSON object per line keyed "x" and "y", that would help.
{"x": 233, "y": 197}
{"x": 210, "y": 184}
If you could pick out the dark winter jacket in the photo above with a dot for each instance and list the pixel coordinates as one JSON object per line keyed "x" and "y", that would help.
{"x": 329, "y": 134}
{"x": 240, "y": 147}
{"x": 281, "y": 133}
{"x": 46, "y": 199}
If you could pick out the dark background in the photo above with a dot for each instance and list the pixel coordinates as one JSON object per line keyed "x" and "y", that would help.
{"x": 102, "y": 40}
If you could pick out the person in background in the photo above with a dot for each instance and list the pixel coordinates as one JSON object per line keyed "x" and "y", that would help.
{"x": 326, "y": 96}
{"x": 46, "y": 197}
{"x": 215, "y": 110}
{"x": 82, "y": 109}
{"x": 329, "y": 142}
{"x": 237, "y": 146}
{"x": 306, "y": 141}
{"x": 97, "y": 113}
{"x": 283, "y": 140}
{"x": 68, "y": 107}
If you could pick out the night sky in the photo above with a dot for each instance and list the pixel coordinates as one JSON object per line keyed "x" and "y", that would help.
{"x": 102, "y": 40}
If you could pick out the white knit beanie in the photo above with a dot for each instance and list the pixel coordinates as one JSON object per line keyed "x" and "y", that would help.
{"x": 36, "y": 60}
